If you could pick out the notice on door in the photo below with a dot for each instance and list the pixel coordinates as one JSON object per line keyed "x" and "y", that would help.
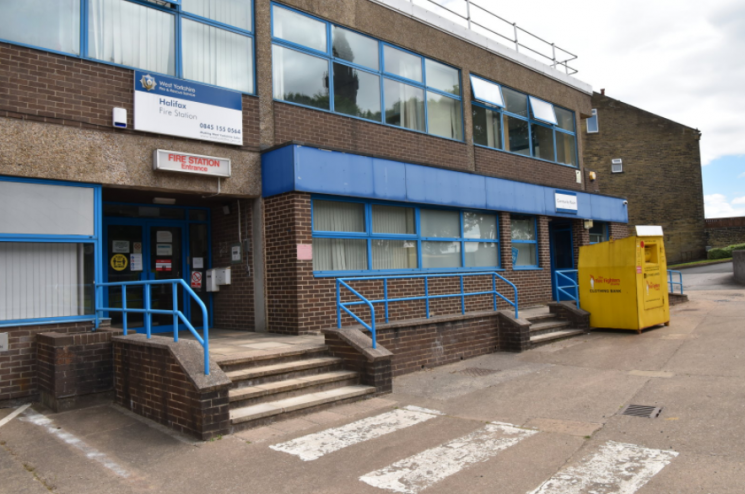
{"x": 164, "y": 249}
{"x": 163, "y": 265}
{"x": 164, "y": 236}
{"x": 119, "y": 262}
{"x": 120, "y": 246}
{"x": 135, "y": 262}
{"x": 196, "y": 279}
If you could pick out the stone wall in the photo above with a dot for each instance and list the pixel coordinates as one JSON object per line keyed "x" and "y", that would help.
{"x": 723, "y": 232}
{"x": 661, "y": 172}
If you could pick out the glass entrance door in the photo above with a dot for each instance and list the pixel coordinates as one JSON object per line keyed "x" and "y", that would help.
{"x": 562, "y": 255}
{"x": 124, "y": 244}
{"x": 165, "y": 263}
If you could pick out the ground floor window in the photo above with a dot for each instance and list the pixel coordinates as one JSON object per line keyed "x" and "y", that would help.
{"x": 369, "y": 236}
{"x": 524, "y": 241}
{"x": 598, "y": 232}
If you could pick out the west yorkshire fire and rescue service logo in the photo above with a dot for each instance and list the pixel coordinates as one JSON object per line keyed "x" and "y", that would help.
{"x": 148, "y": 82}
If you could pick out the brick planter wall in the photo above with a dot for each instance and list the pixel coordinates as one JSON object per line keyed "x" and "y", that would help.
{"x": 75, "y": 369}
{"x": 164, "y": 381}
{"x": 19, "y": 381}
{"x": 355, "y": 348}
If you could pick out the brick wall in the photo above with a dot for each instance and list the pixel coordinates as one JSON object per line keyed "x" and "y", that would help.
{"x": 19, "y": 382}
{"x": 350, "y": 134}
{"x": 621, "y": 230}
{"x": 233, "y": 305}
{"x": 71, "y": 367}
{"x": 523, "y": 169}
{"x": 661, "y": 172}
{"x": 156, "y": 379}
{"x": 723, "y": 232}
{"x": 299, "y": 302}
{"x": 51, "y": 88}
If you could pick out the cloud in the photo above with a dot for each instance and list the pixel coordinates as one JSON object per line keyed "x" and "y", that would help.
{"x": 717, "y": 206}
{"x": 742, "y": 175}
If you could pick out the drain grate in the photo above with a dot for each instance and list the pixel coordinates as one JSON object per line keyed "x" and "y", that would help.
{"x": 644, "y": 411}
{"x": 476, "y": 372}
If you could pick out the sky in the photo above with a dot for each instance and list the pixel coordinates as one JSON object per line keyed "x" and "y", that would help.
{"x": 681, "y": 59}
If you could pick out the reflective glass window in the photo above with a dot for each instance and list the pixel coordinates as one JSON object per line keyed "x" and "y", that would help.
{"x": 479, "y": 225}
{"x": 52, "y": 25}
{"x": 404, "y": 105}
{"x": 300, "y": 78}
{"x": 487, "y": 127}
{"x": 444, "y": 116}
{"x": 234, "y": 12}
{"x": 216, "y": 56}
{"x": 440, "y": 223}
{"x": 516, "y": 135}
{"x": 543, "y": 142}
{"x": 356, "y": 92}
{"x": 565, "y": 118}
{"x": 515, "y": 102}
{"x": 441, "y": 255}
{"x": 481, "y": 254}
{"x": 402, "y": 63}
{"x": 126, "y": 33}
{"x": 442, "y": 77}
{"x": 298, "y": 28}
{"x": 566, "y": 149}
{"x": 524, "y": 240}
{"x": 355, "y": 48}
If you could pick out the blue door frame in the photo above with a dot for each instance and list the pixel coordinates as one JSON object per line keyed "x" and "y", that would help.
{"x": 146, "y": 274}
{"x": 562, "y": 252}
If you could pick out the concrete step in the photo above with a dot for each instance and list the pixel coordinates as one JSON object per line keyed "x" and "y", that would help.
{"x": 253, "y": 395}
{"x": 554, "y": 336}
{"x": 263, "y": 413}
{"x": 269, "y": 357}
{"x": 282, "y": 371}
{"x": 540, "y": 317}
{"x": 548, "y": 326}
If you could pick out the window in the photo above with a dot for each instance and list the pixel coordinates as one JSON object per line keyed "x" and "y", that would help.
{"x": 592, "y": 123}
{"x": 524, "y": 241}
{"x": 400, "y": 237}
{"x": 49, "y": 25}
{"x": 362, "y": 77}
{"x": 598, "y": 232}
{"x": 48, "y": 239}
{"x": 209, "y": 41}
{"x": 512, "y": 121}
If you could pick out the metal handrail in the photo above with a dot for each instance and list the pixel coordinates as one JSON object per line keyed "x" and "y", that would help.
{"x": 671, "y": 283}
{"x": 564, "y": 273}
{"x": 149, "y": 311}
{"x": 470, "y": 21}
{"x": 344, "y": 282}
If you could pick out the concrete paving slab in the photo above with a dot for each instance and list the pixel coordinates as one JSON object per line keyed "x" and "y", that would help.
{"x": 92, "y": 420}
{"x": 570, "y": 427}
{"x": 18, "y": 479}
{"x": 710, "y": 356}
{"x": 657, "y": 374}
{"x": 701, "y": 415}
{"x": 696, "y": 474}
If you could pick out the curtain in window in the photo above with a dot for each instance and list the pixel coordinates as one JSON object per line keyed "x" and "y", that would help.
{"x": 216, "y": 56}
{"x": 53, "y": 25}
{"x": 129, "y": 34}
{"x": 45, "y": 280}
{"x": 332, "y": 254}
{"x": 234, "y": 12}
{"x": 392, "y": 219}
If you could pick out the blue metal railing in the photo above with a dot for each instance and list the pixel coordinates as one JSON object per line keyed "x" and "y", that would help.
{"x": 148, "y": 311}
{"x": 344, "y": 282}
{"x": 671, "y": 284}
{"x": 571, "y": 291}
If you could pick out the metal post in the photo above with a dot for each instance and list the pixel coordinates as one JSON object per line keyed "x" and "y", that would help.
{"x": 385, "y": 297}
{"x": 148, "y": 318}
{"x": 426, "y": 294}
{"x": 468, "y": 13}
{"x": 175, "y": 311}
{"x": 124, "y": 308}
{"x": 553, "y": 48}
{"x": 517, "y": 45}
{"x": 338, "y": 304}
{"x": 462, "y": 297}
{"x": 494, "y": 289}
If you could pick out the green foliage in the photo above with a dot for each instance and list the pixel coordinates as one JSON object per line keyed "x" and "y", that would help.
{"x": 719, "y": 254}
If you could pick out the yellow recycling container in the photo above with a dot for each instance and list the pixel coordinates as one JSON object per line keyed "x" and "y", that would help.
{"x": 623, "y": 283}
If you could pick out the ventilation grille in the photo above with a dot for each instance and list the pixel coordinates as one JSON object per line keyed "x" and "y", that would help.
{"x": 644, "y": 411}
{"x": 617, "y": 166}
{"x": 476, "y": 372}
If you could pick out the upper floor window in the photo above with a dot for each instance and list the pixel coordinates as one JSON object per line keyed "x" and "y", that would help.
{"x": 507, "y": 119}
{"x": 592, "y": 123}
{"x": 364, "y": 236}
{"x": 329, "y": 67}
{"x": 209, "y": 41}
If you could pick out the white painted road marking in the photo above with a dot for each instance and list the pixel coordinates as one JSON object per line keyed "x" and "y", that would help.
{"x": 15, "y": 413}
{"x": 617, "y": 468}
{"x": 424, "y": 469}
{"x": 314, "y": 446}
{"x": 90, "y": 452}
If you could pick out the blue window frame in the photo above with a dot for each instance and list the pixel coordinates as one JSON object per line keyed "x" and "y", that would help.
{"x": 50, "y": 254}
{"x": 329, "y": 67}
{"x": 515, "y": 122}
{"x": 524, "y": 232}
{"x": 355, "y": 236}
{"x": 211, "y": 42}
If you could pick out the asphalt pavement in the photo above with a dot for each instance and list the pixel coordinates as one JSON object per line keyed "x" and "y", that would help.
{"x": 546, "y": 421}
{"x": 709, "y": 277}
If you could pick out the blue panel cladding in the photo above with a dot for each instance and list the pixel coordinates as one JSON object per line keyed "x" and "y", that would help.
{"x": 278, "y": 171}
{"x": 306, "y": 169}
{"x": 428, "y": 185}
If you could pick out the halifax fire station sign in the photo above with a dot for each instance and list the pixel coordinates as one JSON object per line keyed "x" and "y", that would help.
{"x": 165, "y": 105}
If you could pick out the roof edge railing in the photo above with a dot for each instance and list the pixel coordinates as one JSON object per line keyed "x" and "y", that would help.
{"x": 386, "y": 301}
{"x": 485, "y": 23}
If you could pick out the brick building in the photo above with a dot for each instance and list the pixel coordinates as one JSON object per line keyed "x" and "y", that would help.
{"x": 362, "y": 141}
{"x": 659, "y": 171}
